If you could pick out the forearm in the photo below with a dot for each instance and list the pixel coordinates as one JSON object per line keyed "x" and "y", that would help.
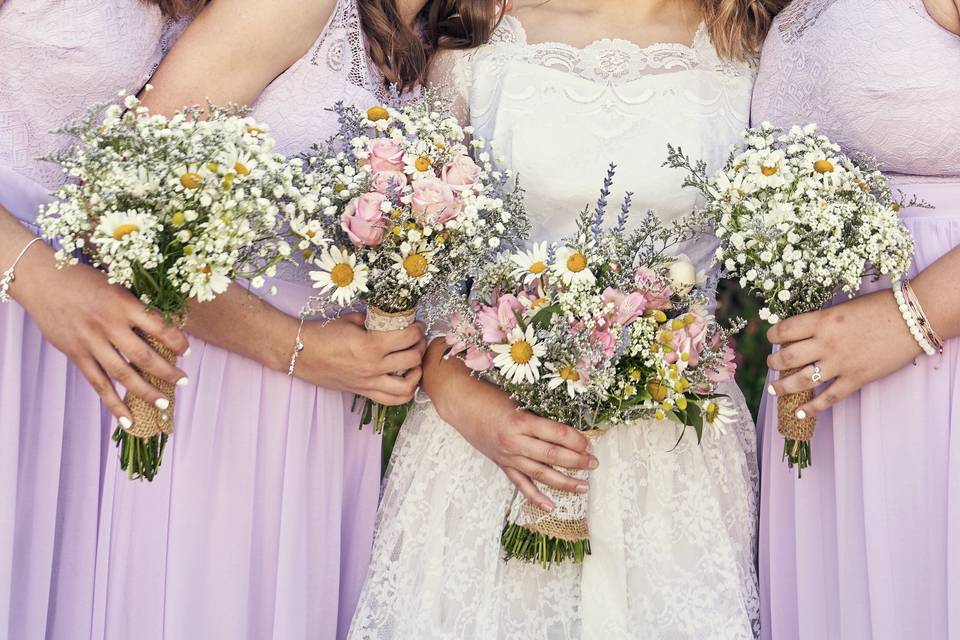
{"x": 241, "y": 322}
{"x": 36, "y": 262}
{"x": 456, "y": 393}
{"x": 936, "y": 288}
{"x": 13, "y": 238}
{"x": 946, "y": 13}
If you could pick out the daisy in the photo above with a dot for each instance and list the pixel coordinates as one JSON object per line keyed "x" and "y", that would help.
{"x": 718, "y": 415}
{"x": 191, "y": 177}
{"x": 565, "y": 375}
{"x": 340, "y": 272}
{"x": 530, "y": 264}
{"x": 238, "y": 162}
{"x": 572, "y": 267}
{"x": 415, "y": 263}
{"x": 519, "y": 359}
{"x": 419, "y": 165}
{"x": 126, "y": 228}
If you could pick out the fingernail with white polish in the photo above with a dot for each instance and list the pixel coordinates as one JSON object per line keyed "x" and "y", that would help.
{"x": 125, "y": 422}
{"x": 161, "y": 403}
{"x": 184, "y": 381}
{"x": 801, "y": 414}
{"x": 187, "y": 352}
{"x": 546, "y": 506}
{"x": 582, "y": 488}
{"x": 771, "y": 390}
{"x": 593, "y": 464}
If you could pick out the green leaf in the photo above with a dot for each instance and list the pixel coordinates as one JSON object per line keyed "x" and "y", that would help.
{"x": 542, "y": 318}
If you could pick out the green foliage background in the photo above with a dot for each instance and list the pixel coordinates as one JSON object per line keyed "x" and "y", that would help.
{"x": 751, "y": 344}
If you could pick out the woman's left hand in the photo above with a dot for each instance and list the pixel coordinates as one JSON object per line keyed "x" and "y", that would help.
{"x": 854, "y": 343}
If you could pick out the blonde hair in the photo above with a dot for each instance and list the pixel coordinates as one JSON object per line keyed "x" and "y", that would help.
{"x": 738, "y": 27}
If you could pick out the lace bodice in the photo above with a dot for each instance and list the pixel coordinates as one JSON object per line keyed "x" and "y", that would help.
{"x": 878, "y": 76}
{"x": 559, "y": 115}
{"x": 297, "y": 105}
{"x": 59, "y": 57}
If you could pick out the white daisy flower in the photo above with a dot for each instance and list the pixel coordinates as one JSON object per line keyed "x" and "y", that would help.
{"x": 530, "y": 264}
{"x": 565, "y": 374}
{"x": 519, "y": 359}
{"x": 340, "y": 273}
{"x": 719, "y": 414}
{"x": 415, "y": 263}
{"x": 572, "y": 267}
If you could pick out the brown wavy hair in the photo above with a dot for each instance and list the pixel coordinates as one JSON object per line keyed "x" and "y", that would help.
{"x": 179, "y": 8}
{"x": 738, "y": 27}
{"x": 403, "y": 52}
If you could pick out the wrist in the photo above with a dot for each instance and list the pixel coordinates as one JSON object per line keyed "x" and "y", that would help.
{"x": 32, "y": 274}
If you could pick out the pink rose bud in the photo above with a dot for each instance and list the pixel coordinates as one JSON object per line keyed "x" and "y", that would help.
{"x": 434, "y": 202}
{"x": 386, "y": 182}
{"x": 461, "y": 172}
{"x": 362, "y": 219}
{"x": 385, "y": 155}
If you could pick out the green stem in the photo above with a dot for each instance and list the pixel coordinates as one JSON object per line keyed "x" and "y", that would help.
{"x": 797, "y": 453}
{"x": 140, "y": 457}
{"x": 529, "y": 546}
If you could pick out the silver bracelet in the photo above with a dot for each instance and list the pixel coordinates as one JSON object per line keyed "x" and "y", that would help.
{"x": 8, "y": 276}
{"x": 297, "y": 348}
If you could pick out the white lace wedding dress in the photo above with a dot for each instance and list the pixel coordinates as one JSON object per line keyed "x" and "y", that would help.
{"x": 673, "y": 531}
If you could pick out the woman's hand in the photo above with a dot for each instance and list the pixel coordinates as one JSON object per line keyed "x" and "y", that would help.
{"x": 523, "y": 445}
{"x": 342, "y": 355}
{"x": 92, "y": 322}
{"x": 854, "y": 343}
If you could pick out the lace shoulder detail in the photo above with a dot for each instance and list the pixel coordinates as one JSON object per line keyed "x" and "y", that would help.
{"x": 343, "y": 49}
{"x": 452, "y": 72}
{"x": 615, "y": 60}
{"x": 799, "y": 16}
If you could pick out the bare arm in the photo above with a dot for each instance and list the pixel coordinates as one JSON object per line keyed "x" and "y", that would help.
{"x": 230, "y": 54}
{"x": 946, "y": 13}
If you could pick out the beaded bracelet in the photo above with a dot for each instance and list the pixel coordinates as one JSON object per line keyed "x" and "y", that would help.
{"x": 297, "y": 348}
{"x": 8, "y": 276}
{"x": 918, "y": 324}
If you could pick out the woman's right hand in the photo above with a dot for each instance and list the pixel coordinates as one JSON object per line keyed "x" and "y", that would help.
{"x": 343, "y": 355}
{"x": 526, "y": 447}
{"x": 92, "y": 322}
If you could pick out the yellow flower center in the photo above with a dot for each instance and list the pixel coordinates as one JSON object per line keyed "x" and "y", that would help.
{"x": 422, "y": 163}
{"x": 769, "y": 171}
{"x": 440, "y": 240}
{"x": 241, "y": 168}
{"x": 539, "y": 302}
{"x": 415, "y": 265}
{"x": 570, "y": 374}
{"x": 254, "y": 130}
{"x": 538, "y": 267}
{"x": 213, "y": 167}
{"x": 377, "y": 113}
{"x": 308, "y": 254}
{"x": 521, "y": 352}
{"x": 124, "y": 230}
{"x": 342, "y": 275}
{"x": 339, "y": 187}
{"x": 396, "y": 213}
{"x": 659, "y": 316}
{"x": 178, "y": 219}
{"x": 822, "y": 166}
{"x": 577, "y": 262}
{"x": 658, "y": 392}
{"x": 311, "y": 233}
{"x": 227, "y": 183}
{"x": 634, "y": 374}
{"x": 191, "y": 180}
{"x": 712, "y": 411}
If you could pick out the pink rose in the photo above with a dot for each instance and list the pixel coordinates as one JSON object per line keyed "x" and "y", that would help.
{"x": 385, "y": 155}
{"x": 460, "y": 173}
{"x": 434, "y": 201}
{"x": 626, "y": 307}
{"x": 386, "y": 182}
{"x": 362, "y": 219}
{"x": 497, "y": 321}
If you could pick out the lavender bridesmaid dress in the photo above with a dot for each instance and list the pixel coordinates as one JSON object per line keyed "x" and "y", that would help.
{"x": 57, "y": 57}
{"x": 260, "y": 522}
{"x": 867, "y": 544}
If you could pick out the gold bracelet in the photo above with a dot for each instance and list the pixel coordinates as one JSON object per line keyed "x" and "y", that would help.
{"x": 922, "y": 320}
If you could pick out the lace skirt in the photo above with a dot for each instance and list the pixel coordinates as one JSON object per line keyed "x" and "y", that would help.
{"x": 672, "y": 531}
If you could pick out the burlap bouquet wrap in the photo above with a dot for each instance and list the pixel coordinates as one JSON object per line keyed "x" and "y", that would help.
{"x": 379, "y": 320}
{"x": 148, "y": 420}
{"x": 568, "y": 520}
{"x": 789, "y": 425}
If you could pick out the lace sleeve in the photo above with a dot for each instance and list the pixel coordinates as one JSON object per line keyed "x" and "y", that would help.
{"x": 451, "y": 70}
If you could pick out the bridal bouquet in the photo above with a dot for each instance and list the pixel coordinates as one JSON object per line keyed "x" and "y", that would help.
{"x": 597, "y": 331}
{"x": 172, "y": 209}
{"x": 408, "y": 209}
{"x": 798, "y": 222}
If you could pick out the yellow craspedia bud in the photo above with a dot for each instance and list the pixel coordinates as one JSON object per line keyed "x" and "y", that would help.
{"x": 667, "y": 405}
{"x": 685, "y": 356}
{"x": 377, "y": 113}
{"x": 677, "y": 324}
{"x": 213, "y": 167}
{"x": 682, "y": 403}
{"x": 665, "y": 337}
{"x": 659, "y": 316}
{"x": 688, "y": 320}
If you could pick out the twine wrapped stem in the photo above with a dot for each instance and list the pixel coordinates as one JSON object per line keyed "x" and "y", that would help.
{"x": 382, "y": 417}
{"x": 797, "y": 433}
